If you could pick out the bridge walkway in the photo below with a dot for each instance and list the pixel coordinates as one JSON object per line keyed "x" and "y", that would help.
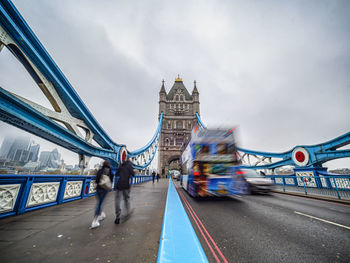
{"x": 61, "y": 233}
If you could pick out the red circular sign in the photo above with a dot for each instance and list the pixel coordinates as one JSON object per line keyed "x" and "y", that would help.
{"x": 300, "y": 156}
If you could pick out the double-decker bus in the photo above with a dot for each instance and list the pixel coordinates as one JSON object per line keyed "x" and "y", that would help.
{"x": 210, "y": 164}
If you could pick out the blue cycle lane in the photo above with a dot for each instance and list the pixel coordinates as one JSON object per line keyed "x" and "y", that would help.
{"x": 178, "y": 242}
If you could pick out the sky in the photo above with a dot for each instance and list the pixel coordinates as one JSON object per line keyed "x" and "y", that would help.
{"x": 280, "y": 70}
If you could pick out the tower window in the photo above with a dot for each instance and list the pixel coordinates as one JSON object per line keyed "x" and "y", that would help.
{"x": 179, "y": 142}
{"x": 177, "y": 97}
{"x": 179, "y": 124}
{"x": 167, "y": 142}
{"x": 189, "y": 125}
{"x": 181, "y": 98}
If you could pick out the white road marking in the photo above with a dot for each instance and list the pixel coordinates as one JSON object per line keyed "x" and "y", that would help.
{"x": 323, "y": 220}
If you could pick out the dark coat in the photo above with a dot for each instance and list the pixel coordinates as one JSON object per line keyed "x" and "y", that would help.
{"x": 105, "y": 169}
{"x": 125, "y": 171}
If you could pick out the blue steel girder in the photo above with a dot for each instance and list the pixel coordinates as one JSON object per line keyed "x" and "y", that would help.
{"x": 317, "y": 154}
{"x": 312, "y": 155}
{"x": 148, "y": 152}
{"x": 28, "y": 47}
{"x": 70, "y": 110}
{"x": 19, "y": 114}
{"x": 200, "y": 123}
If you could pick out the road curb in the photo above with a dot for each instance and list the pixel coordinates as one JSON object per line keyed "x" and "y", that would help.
{"x": 314, "y": 197}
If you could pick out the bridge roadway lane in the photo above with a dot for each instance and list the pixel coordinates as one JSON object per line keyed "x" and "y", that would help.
{"x": 61, "y": 233}
{"x": 265, "y": 228}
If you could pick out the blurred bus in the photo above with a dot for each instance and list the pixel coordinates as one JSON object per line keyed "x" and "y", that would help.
{"x": 210, "y": 164}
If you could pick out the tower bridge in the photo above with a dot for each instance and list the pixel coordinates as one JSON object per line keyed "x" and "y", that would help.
{"x": 215, "y": 230}
{"x": 179, "y": 108}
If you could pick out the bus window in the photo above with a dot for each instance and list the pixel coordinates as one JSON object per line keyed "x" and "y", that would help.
{"x": 219, "y": 169}
{"x": 221, "y": 148}
{"x": 201, "y": 150}
{"x": 205, "y": 149}
{"x": 206, "y": 168}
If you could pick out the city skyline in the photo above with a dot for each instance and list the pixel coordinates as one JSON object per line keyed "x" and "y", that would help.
{"x": 25, "y": 149}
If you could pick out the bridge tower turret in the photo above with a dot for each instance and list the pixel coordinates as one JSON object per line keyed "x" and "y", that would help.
{"x": 162, "y": 99}
{"x": 195, "y": 96}
{"x": 179, "y": 109}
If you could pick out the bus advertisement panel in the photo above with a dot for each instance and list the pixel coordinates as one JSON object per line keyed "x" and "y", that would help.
{"x": 210, "y": 164}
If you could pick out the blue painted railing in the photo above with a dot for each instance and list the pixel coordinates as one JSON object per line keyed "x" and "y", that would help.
{"x": 24, "y": 193}
{"x": 336, "y": 186}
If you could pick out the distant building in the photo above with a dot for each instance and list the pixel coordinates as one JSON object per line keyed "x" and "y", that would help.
{"x": 50, "y": 159}
{"x": 19, "y": 149}
{"x": 69, "y": 167}
{"x": 6, "y": 146}
{"x": 32, "y": 166}
{"x": 340, "y": 171}
{"x": 33, "y": 152}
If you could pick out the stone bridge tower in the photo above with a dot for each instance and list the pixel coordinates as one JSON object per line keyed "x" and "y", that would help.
{"x": 179, "y": 109}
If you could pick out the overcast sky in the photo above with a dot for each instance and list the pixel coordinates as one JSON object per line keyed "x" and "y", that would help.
{"x": 278, "y": 69}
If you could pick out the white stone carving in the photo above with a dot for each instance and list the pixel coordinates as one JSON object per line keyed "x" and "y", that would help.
{"x": 41, "y": 193}
{"x": 323, "y": 181}
{"x": 8, "y": 196}
{"x": 92, "y": 188}
{"x": 342, "y": 183}
{"x": 278, "y": 180}
{"x": 289, "y": 181}
{"x": 308, "y": 177}
{"x": 73, "y": 189}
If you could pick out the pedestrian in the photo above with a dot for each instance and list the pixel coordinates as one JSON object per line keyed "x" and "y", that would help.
{"x": 157, "y": 177}
{"x": 101, "y": 192}
{"x": 153, "y": 176}
{"x": 125, "y": 172}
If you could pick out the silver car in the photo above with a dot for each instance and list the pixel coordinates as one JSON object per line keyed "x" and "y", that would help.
{"x": 257, "y": 183}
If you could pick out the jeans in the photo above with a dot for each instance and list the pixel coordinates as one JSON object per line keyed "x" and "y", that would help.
{"x": 101, "y": 194}
{"x": 125, "y": 194}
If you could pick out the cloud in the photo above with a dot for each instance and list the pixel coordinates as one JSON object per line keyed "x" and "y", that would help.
{"x": 279, "y": 70}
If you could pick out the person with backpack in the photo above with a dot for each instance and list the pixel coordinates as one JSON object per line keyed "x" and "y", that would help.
{"x": 153, "y": 176}
{"x": 125, "y": 172}
{"x": 104, "y": 179}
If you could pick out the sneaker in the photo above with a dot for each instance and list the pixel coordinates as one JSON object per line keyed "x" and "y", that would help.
{"x": 94, "y": 224}
{"x": 101, "y": 216}
{"x": 117, "y": 221}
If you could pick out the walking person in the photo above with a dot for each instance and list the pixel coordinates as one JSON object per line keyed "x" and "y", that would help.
{"x": 153, "y": 176}
{"x": 125, "y": 172}
{"x": 101, "y": 192}
{"x": 157, "y": 177}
